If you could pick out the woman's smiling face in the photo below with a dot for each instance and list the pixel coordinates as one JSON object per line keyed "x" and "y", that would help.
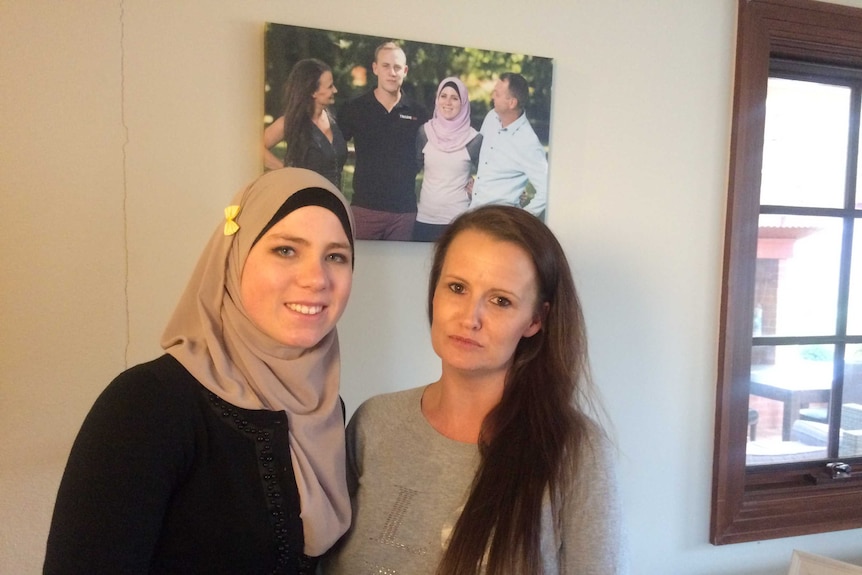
{"x": 448, "y": 103}
{"x": 326, "y": 90}
{"x": 297, "y": 278}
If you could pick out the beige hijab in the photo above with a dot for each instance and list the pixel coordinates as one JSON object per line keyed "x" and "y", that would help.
{"x": 213, "y": 337}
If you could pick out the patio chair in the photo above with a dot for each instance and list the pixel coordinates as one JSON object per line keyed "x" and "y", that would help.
{"x": 852, "y": 394}
{"x": 816, "y": 433}
{"x": 753, "y": 417}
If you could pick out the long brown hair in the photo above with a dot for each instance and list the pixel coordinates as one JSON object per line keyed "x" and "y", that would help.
{"x": 302, "y": 82}
{"x": 530, "y": 442}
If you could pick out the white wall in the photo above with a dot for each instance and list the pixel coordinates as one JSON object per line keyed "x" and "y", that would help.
{"x": 125, "y": 127}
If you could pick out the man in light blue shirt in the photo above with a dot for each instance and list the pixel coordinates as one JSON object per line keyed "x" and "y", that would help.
{"x": 511, "y": 154}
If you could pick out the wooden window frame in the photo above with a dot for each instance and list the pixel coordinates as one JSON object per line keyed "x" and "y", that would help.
{"x": 771, "y": 501}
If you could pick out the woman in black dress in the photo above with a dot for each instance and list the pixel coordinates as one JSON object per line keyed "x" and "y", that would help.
{"x": 313, "y": 138}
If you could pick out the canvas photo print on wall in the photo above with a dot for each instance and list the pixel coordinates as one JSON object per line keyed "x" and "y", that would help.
{"x": 413, "y": 133}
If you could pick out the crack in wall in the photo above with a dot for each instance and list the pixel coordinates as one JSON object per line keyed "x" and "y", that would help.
{"x": 125, "y": 129}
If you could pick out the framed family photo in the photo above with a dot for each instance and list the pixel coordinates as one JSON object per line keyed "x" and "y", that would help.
{"x": 413, "y": 133}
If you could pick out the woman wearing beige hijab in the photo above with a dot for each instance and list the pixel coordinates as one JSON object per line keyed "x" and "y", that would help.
{"x": 226, "y": 454}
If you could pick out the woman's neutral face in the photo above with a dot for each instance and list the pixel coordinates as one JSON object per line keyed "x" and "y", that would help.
{"x": 484, "y": 303}
{"x": 326, "y": 90}
{"x": 448, "y": 103}
{"x": 297, "y": 278}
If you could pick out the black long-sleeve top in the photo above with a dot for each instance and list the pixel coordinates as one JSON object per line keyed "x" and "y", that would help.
{"x": 165, "y": 477}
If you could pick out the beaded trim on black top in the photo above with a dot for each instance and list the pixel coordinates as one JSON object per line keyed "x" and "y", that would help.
{"x": 290, "y": 561}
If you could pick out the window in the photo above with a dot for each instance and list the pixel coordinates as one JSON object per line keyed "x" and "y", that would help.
{"x": 788, "y": 443}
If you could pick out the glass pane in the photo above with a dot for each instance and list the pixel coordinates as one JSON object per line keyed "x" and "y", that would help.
{"x": 788, "y": 403}
{"x": 805, "y": 144}
{"x": 796, "y": 286}
{"x": 858, "y": 202}
{"x": 850, "y": 442}
{"x": 854, "y": 310}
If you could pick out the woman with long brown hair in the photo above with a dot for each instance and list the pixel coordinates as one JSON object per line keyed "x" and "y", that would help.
{"x": 497, "y": 467}
{"x": 314, "y": 140}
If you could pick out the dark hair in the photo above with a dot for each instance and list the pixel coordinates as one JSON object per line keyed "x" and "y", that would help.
{"x": 532, "y": 440}
{"x": 518, "y": 88}
{"x": 302, "y": 82}
{"x": 311, "y": 197}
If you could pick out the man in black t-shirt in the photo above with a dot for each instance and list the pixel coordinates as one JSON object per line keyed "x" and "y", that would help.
{"x": 383, "y": 124}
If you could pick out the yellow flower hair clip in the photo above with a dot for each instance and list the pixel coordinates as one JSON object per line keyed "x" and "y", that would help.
{"x": 230, "y": 225}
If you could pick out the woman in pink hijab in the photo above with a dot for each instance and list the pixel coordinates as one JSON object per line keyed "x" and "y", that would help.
{"x": 448, "y": 148}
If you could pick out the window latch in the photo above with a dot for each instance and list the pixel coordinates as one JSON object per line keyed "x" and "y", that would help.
{"x": 839, "y": 470}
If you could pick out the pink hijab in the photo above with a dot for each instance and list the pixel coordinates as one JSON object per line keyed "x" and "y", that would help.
{"x": 211, "y": 335}
{"x": 454, "y": 134}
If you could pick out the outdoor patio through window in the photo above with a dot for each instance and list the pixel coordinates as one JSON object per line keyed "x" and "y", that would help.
{"x": 805, "y": 399}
